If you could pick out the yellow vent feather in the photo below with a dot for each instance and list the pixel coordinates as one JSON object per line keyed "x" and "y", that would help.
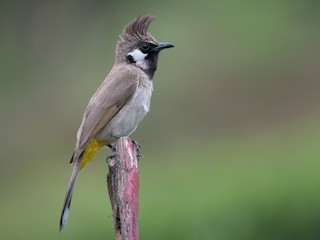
{"x": 90, "y": 151}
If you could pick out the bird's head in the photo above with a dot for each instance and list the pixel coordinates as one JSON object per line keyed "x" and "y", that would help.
{"x": 138, "y": 47}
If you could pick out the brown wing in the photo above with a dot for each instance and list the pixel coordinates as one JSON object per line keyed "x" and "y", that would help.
{"x": 116, "y": 90}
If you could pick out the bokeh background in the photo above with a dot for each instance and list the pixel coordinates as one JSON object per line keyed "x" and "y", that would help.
{"x": 231, "y": 145}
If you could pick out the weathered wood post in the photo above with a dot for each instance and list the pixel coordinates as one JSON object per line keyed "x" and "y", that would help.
{"x": 123, "y": 188}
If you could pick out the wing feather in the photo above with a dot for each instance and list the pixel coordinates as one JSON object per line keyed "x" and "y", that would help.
{"x": 116, "y": 90}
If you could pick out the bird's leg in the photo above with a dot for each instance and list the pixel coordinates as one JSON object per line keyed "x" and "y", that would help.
{"x": 112, "y": 146}
{"x": 137, "y": 146}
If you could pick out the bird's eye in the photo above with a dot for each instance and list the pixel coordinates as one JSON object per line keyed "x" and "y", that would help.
{"x": 145, "y": 47}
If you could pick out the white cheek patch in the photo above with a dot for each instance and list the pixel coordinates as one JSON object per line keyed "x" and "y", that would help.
{"x": 139, "y": 57}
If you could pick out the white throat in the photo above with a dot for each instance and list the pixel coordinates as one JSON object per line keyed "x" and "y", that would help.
{"x": 139, "y": 58}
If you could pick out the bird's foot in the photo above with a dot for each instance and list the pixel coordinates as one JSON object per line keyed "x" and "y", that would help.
{"x": 111, "y": 159}
{"x": 112, "y": 146}
{"x": 137, "y": 146}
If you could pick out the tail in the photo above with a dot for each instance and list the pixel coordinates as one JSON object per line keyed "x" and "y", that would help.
{"x": 79, "y": 162}
{"x": 67, "y": 200}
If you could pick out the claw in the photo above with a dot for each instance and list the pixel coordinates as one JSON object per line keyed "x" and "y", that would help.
{"x": 113, "y": 147}
{"x": 111, "y": 159}
{"x": 139, "y": 156}
{"x": 137, "y": 146}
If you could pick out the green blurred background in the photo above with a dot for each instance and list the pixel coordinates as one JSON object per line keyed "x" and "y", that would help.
{"x": 231, "y": 144}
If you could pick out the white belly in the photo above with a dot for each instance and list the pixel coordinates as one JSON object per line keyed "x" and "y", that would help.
{"x": 131, "y": 114}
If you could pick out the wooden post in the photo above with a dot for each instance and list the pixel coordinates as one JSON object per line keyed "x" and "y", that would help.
{"x": 123, "y": 188}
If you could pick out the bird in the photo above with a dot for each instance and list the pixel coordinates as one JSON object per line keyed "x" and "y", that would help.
{"x": 122, "y": 100}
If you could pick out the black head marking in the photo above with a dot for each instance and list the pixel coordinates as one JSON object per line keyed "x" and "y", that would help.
{"x": 146, "y": 47}
{"x": 130, "y": 58}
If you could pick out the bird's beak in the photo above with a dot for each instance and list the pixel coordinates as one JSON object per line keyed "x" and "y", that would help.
{"x": 163, "y": 45}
